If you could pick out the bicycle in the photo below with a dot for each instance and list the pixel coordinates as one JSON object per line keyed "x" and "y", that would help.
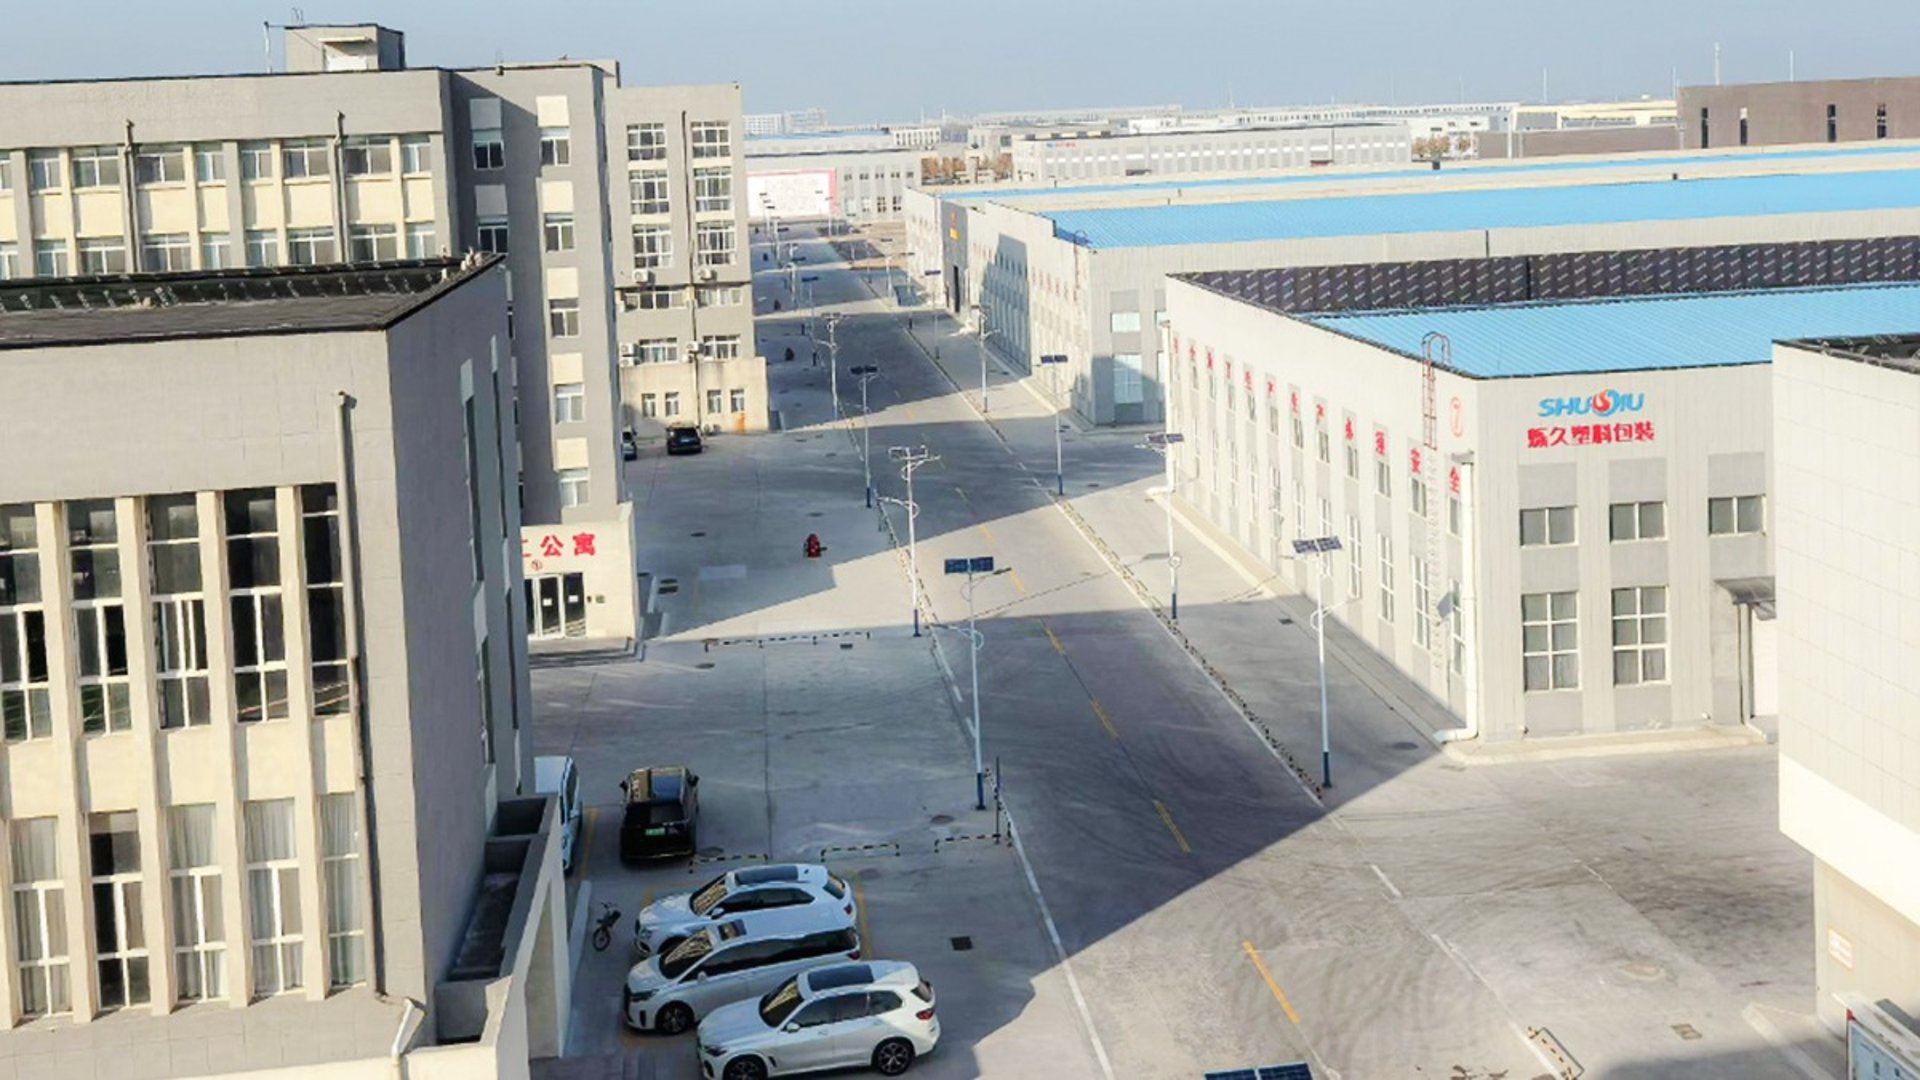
{"x": 603, "y": 925}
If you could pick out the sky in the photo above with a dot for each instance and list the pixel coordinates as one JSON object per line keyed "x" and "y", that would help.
{"x": 863, "y": 61}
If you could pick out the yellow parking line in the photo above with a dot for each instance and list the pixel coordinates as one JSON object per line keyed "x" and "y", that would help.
{"x": 860, "y": 906}
{"x": 1167, "y": 819}
{"x": 1051, "y": 636}
{"x": 1017, "y": 583}
{"x": 1261, "y": 966}
{"x": 1107, "y": 722}
{"x": 586, "y": 844}
{"x": 988, "y": 533}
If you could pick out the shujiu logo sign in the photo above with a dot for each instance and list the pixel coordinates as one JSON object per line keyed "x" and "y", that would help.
{"x": 1604, "y": 403}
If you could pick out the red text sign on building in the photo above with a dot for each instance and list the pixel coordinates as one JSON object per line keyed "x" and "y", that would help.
{"x": 1589, "y": 434}
{"x": 552, "y": 546}
{"x": 1380, "y": 443}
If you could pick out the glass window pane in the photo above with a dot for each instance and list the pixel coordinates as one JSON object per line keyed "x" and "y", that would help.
{"x": 1533, "y": 528}
{"x": 1653, "y": 631}
{"x": 1654, "y": 665}
{"x": 1566, "y": 605}
{"x": 1621, "y": 522}
{"x": 1560, "y": 525}
{"x": 1533, "y": 607}
{"x": 1625, "y": 601}
{"x": 1536, "y": 673}
{"x": 1749, "y": 512}
{"x": 1626, "y": 632}
{"x": 1566, "y": 636}
{"x": 1626, "y": 668}
{"x": 1719, "y": 516}
{"x": 1653, "y": 520}
{"x": 1566, "y": 672}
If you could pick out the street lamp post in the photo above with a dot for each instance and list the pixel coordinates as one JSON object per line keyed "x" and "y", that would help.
{"x": 1322, "y": 547}
{"x": 978, "y": 564}
{"x": 910, "y": 459}
{"x": 833, "y": 361}
{"x": 982, "y": 333}
{"x": 867, "y": 373}
{"x": 806, "y": 321}
{"x": 1162, "y": 443}
{"x": 1055, "y": 361}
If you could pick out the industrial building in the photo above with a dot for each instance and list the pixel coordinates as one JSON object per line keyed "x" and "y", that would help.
{"x": 860, "y": 178}
{"x": 1079, "y": 270}
{"x": 1552, "y": 515}
{"x": 1786, "y": 113}
{"x": 1845, "y": 522}
{"x": 624, "y": 283}
{"x": 1097, "y": 154}
{"x": 264, "y": 685}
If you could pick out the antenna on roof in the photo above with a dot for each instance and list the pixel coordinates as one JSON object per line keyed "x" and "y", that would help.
{"x": 299, "y": 17}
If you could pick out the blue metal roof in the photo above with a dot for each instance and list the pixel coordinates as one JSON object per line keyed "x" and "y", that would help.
{"x": 1638, "y": 334}
{"x": 1497, "y": 208}
{"x": 1545, "y": 167}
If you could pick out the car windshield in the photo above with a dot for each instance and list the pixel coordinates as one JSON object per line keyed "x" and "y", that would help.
{"x": 777, "y": 1006}
{"x": 655, "y": 813}
{"x": 684, "y": 955}
{"x": 708, "y": 895}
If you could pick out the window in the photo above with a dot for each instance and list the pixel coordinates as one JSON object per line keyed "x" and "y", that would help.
{"x": 24, "y": 705}
{"x": 556, "y": 146}
{"x": 720, "y": 347}
{"x": 649, "y": 192}
{"x": 570, "y": 403}
{"x": 491, "y": 235}
{"x": 1545, "y": 526}
{"x": 737, "y": 401}
{"x": 1456, "y": 629}
{"x": 96, "y": 167}
{"x": 489, "y": 149}
{"x": 1355, "y": 557}
{"x": 193, "y": 877}
{"x": 1299, "y": 433}
{"x": 714, "y": 243}
{"x": 1353, "y": 461}
{"x": 367, "y": 156}
{"x": 273, "y": 897}
{"x": 659, "y": 351}
{"x": 256, "y": 161}
{"x": 712, "y": 139}
{"x": 1326, "y": 446}
{"x": 179, "y": 610}
{"x": 646, "y": 142}
{"x": 340, "y": 872}
{"x": 216, "y": 251}
{"x": 305, "y": 159}
{"x": 648, "y": 299}
{"x": 1736, "y": 515}
{"x": 1417, "y": 494}
{"x": 1833, "y": 123}
{"x": 118, "y": 922}
{"x": 649, "y": 405}
{"x": 1637, "y": 521}
{"x": 1706, "y": 131}
{"x": 652, "y": 247}
{"x": 1382, "y": 477}
{"x": 1124, "y": 322}
{"x": 1422, "y": 601}
{"x": 713, "y": 190}
{"x": 563, "y": 317}
{"x": 471, "y": 432}
{"x": 44, "y": 172}
{"x": 1386, "y": 577}
{"x": 9, "y": 261}
{"x": 263, "y": 248}
{"x": 1127, "y": 386}
{"x": 1880, "y": 122}
{"x": 670, "y": 403}
{"x": 100, "y": 622}
{"x": 103, "y": 256}
{"x": 373, "y": 243}
{"x": 714, "y": 400}
{"x": 1454, "y": 513}
{"x": 326, "y": 599}
{"x": 1550, "y": 640}
{"x": 1640, "y": 635}
{"x": 161, "y": 165}
{"x": 416, "y": 155}
{"x": 51, "y": 259}
{"x": 558, "y": 230}
{"x": 573, "y": 485}
{"x": 422, "y": 243}
{"x": 1743, "y": 126}
{"x": 39, "y": 918}
{"x": 255, "y": 605}
{"x": 310, "y": 247}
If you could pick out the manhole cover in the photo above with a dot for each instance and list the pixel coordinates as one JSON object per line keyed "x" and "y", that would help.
{"x": 846, "y": 645}
{"x": 833, "y": 453}
{"x": 1285, "y": 621}
{"x": 1687, "y": 1031}
{"x": 711, "y": 852}
{"x": 816, "y": 513}
{"x": 962, "y": 943}
{"x": 669, "y": 586}
{"x": 1403, "y": 745}
{"x": 943, "y": 819}
{"x": 1093, "y": 484}
{"x": 704, "y": 665}
{"x": 697, "y": 535}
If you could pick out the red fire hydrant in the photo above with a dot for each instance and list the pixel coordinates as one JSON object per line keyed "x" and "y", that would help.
{"x": 813, "y": 546}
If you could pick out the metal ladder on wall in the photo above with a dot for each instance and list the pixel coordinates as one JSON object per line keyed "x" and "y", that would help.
{"x": 1433, "y": 472}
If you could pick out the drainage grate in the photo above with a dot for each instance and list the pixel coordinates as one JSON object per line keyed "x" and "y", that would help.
{"x": 669, "y": 586}
{"x": 697, "y": 535}
{"x": 1404, "y": 746}
{"x": 1687, "y": 1032}
{"x": 1093, "y": 484}
{"x": 1286, "y": 620}
{"x": 846, "y": 645}
{"x": 816, "y": 513}
{"x": 962, "y": 943}
{"x": 705, "y": 665}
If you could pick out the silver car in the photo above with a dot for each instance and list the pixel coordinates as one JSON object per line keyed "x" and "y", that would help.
{"x": 878, "y": 1014}
{"x": 670, "y": 919}
{"x": 736, "y": 960}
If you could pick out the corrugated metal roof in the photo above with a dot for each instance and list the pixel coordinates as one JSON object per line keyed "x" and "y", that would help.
{"x": 1451, "y": 172}
{"x": 1499, "y": 208}
{"x": 1638, "y": 334}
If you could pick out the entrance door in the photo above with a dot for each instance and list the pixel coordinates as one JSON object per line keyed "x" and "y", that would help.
{"x": 573, "y": 603}
{"x": 1765, "y": 643}
{"x": 557, "y": 606}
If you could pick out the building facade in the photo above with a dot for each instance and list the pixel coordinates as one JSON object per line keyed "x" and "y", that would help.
{"x": 1098, "y": 154}
{"x": 1787, "y": 113}
{"x": 1846, "y": 412}
{"x": 263, "y": 675}
{"x": 797, "y": 180}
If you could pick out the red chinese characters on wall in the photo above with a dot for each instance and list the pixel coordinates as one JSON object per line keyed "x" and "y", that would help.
{"x": 1453, "y": 479}
{"x": 553, "y": 546}
{"x": 1347, "y": 427}
{"x": 1589, "y": 434}
{"x": 1413, "y": 460}
{"x": 1269, "y": 387}
{"x": 1248, "y": 376}
{"x": 1380, "y": 443}
{"x": 1293, "y": 399}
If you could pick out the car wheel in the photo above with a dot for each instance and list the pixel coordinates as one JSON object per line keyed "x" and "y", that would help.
{"x": 891, "y": 1058}
{"x": 745, "y": 1068}
{"x": 674, "y": 1019}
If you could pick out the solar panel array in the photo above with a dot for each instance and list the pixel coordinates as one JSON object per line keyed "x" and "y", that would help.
{"x": 1587, "y": 275}
{"x": 1296, "y": 1071}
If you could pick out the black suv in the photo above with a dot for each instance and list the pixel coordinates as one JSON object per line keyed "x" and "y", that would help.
{"x": 683, "y": 440}
{"x": 662, "y": 806}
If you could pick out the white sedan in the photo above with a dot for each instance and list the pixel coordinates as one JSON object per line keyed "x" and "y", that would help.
{"x": 667, "y": 920}
{"x": 877, "y": 1014}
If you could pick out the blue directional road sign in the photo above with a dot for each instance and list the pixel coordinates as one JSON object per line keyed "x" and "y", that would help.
{"x": 1316, "y": 545}
{"x": 979, "y": 564}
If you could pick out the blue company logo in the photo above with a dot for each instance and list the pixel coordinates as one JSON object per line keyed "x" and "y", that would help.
{"x": 1604, "y": 403}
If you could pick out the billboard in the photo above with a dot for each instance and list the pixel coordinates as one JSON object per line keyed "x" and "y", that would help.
{"x": 806, "y": 193}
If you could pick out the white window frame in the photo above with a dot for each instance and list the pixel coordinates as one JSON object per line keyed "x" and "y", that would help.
{"x": 574, "y": 487}
{"x": 649, "y": 406}
{"x": 45, "y": 171}
{"x": 416, "y": 155}
{"x": 716, "y": 243}
{"x": 306, "y": 246}
{"x": 1736, "y": 510}
{"x": 216, "y": 251}
{"x": 31, "y": 695}
{"x": 37, "y": 956}
{"x": 102, "y": 255}
{"x": 649, "y": 191}
{"x": 1552, "y": 526}
{"x": 194, "y": 889}
{"x": 556, "y": 231}
{"x": 1422, "y": 599}
{"x": 210, "y": 165}
{"x": 126, "y": 910}
{"x": 737, "y": 400}
{"x": 340, "y": 872}
{"x": 9, "y": 261}
{"x": 647, "y": 141}
{"x": 373, "y": 243}
{"x": 492, "y": 234}
{"x": 367, "y": 156}
{"x": 1385, "y": 541}
{"x": 263, "y": 247}
{"x": 1356, "y": 559}
{"x": 713, "y": 189}
{"x": 1640, "y": 635}
{"x": 652, "y": 247}
{"x": 423, "y": 241}
{"x": 277, "y": 877}
{"x": 305, "y": 159}
{"x": 711, "y": 139}
{"x": 257, "y": 162}
{"x": 720, "y": 296}
{"x": 720, "y": 347}
{"x": 556, "y": 146}
{"x": 670, "y": 403}
{"x": 1627, "y": 521}
{"x": 160, "y": 166}
{"x": 570, "y": 403}
{"x": 1457, "y": 629}
{"x": 563, "y": 317}
{"x": 1546, "y": 615}
{"x": 90, "y": 619}
{"x": 95, "y": 167}
{"x": 489, "y": 150}
{"x": 715, "y": 399}
{"x": 657, "y": 351}
{"x": 267, "y": 605}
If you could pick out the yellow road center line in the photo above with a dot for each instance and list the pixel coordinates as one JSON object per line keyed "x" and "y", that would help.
{"x": 1051, "y": 636}
{"x": 1107, "y": 722}
{"x": 860, "y": 905}
{"x": 988, "y": 533}
{"x": 1261, "y": 966}
{"x": 1017, "y": 583}
{"x": 586, "y": 843}
{"x": 1171, "y": 827}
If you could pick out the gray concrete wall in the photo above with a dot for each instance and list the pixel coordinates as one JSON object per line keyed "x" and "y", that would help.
{"x": 1783, "y": 113}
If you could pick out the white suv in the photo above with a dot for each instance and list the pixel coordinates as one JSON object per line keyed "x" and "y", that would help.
{"x": 877, "y": 1014}
{"x": 663, "y": 923}
{"x": 730, "y": 961}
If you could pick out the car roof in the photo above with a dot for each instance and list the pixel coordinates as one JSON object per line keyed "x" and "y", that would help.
{"x": 791, "y": 921}
{"x": 548, "y": 771}
{"x": 778, "y": 873}
{"x": 889, "y": 974}
{"x": 657, "y": 784}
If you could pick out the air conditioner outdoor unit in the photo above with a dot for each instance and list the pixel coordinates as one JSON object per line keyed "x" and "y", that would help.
{"x": 630, "y": 352}
{"x": 643, "y": 277}
{"x": 707, "y": 273}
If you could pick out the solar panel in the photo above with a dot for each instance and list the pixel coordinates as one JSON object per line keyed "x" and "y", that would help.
{"x": 1299, "y": 1070}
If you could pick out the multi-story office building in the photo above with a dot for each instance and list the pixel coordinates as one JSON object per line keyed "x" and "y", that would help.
{"x": 614, "y": 207}
{"x": 858, "y": 177}
{"x": 263, "y": 680}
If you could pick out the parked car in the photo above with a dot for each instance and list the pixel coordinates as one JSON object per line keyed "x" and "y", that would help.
{"x": 878, "y": 1014}
{"x": 629, "y": 445}
{"x": 663, "y": 807}
{"x": 727, "y": 962}
{"x": 662, "y": 924}
{"x": 684, "y": 440}
{"x": 556, "y": 775}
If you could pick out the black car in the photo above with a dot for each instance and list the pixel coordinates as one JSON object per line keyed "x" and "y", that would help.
{"x": 662, "y": 806}
{"x": 683, "y": 440}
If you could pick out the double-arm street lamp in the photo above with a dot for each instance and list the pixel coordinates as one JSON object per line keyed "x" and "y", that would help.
{"x": 1054, "y": 362}
{"x": 981, "y": 565}
{"x": 1321, "y": 548}
{"x": 982, "y": 334}
{"x": 866, "y": 373}
{"x": 1162, "y": 443}
{"x": 911, "y": 458}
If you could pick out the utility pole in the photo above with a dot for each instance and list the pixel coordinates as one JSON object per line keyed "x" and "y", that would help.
{"x": 1162, "y": 443}
{"x": 867, "y": 373}
{"x": 978, "y": 564}
{"x": 911, "y": 458}
{"x": 833, "y": 361}
{"x": 1054, "y": 362}
{"x": 1321, "y": 547}
{"x": 982, "y": 334}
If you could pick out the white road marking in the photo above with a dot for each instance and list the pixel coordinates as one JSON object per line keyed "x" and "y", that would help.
{"x": 1382, "y": 875}
{"x": 1059, "y": 949}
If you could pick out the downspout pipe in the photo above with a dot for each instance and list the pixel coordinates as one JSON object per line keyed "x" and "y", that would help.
{"x": 1470, "y": 612}
{"x": 357, "y": 675}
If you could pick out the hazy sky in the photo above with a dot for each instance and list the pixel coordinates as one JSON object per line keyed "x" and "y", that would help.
{"x": 894, "y": 59}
